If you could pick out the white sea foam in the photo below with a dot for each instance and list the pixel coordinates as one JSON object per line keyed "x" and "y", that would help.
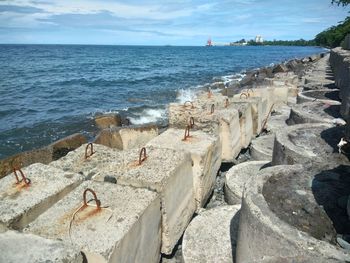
{"x": 148, "y": 116}
{"x": 235, "y": 77}
{"x": 184, "y": 95}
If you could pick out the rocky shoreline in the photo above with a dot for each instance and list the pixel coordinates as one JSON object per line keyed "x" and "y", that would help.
{"x": 254, "y": 171}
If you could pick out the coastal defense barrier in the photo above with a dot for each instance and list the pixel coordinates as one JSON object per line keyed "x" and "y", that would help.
{"x": 340, "y": 63}
{"x": 142, "y": 189}
{"x": 127, "y": 137}
{"x": 43, "y": 155}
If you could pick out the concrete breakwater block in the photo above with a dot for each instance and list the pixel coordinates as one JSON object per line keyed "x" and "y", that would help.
{"x": 81, "y": 161}
{"x": 236, "y": 178}
{"x": 263, "y": 233}
{"x": 277, "y": 118}
{"x": 211, "y": 236}
{"x": 261, "y": 147}
{"x": 127, "y": 137}
{"x": 108, "y": 121}
{"x": 126, "y": 227}
{"x": 256, "y": 109}
{"x": 21, "y": 203}
{"x": 205, "y": 152}
{"x": 164, "y": 171}
{"x": 303, "y": 142}
{"x": 221, "y": 122}
{"x": 245, "y": 122}
{"x": 27, "y": 248}
{"x": 315, "y": 112}
{"x": 328, "y": 96}
{"x": 43, "y": 155}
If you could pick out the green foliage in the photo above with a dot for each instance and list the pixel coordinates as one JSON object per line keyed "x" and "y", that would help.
{"x": 300, "y": 42}
{"x": 333, "y": 36}
{"x": 341, "y": 2}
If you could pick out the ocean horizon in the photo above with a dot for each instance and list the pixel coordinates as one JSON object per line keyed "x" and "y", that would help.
{"x": 49, "y": 91}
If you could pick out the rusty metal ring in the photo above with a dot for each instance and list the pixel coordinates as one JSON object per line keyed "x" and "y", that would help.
{"x": 186, "y": 102}
{"x": 91, "y": 146}
{"x": 191, "y": 122}
{"x": 212, "y": 108}
{"x": 244, "y": 94}
{"x": 98, "y": 202}
{"x": 226, "y": 103}
{"x": 142, "y": 152}
{"x": 187, "y": 133}
{"x": 249, "y": 91}
{"x": 24, "y": 178}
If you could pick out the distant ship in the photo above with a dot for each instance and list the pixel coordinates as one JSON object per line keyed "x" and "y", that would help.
{"x": 209, "y": 43}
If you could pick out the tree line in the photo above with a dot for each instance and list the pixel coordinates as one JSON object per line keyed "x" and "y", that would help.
{"x": 331, "y": 37}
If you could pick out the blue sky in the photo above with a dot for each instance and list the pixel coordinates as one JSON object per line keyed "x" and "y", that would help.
{"x": 150, "y": 22}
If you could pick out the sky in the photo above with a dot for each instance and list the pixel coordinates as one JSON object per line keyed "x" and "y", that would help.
{"x": 162, "y": 22}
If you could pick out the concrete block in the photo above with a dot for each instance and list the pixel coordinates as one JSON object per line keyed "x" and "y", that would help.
{"x": 108, "y": 121}
{"x": 245, "y": 122}
{"x": 21, "y": 203}
{"x": 327, "y": 96}
{"x": 75, "y": 161}
{"x": 127, "y": 137}
{"x": 264, "y": 234}
{"x": 278, "y": 117}
{"x": 315, "y": 112}
{"x": 262, "y": 147}
{"x": 43, "y": 155}
{"x": 61, "y": 147}
{"x": 257, "y": 111}
{"x": 165, "y": 171}
{"x": 125, "y": 229}
{"x": 27, "y": 248}
{"x": 205, "y": 152}
{"x": 211, "y": 236}
{"x": 236, "y": 178}
{"x": 223, "y": 122}
{"x": 304, "y": 142}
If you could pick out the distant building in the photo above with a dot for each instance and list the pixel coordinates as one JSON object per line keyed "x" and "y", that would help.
{"x": 259, "y": 39}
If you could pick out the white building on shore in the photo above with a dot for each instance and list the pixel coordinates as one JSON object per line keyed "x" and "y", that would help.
{"x": 259, "y": 39}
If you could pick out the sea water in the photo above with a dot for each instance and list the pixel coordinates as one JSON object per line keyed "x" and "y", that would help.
{"x": 48, "y": 92}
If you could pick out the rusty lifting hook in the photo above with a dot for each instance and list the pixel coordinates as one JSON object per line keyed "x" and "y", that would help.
{"x": 91, "y": 146}
{"x": 187, "y": 133}
{"x": 212, "y": 108}
{"x": 226, "y": 103}
{"x": 98, "y": 202}
{"x": 142, "y": 152}
{"x": 24, "y": 179}
{"x": 188, "y": 102}
{"x": 244, "y": 94}
{"x": 191, "y": 122}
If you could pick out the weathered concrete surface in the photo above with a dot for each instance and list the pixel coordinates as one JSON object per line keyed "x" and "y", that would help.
{"x": 295, "y": 259}
{"x": 256, "y": 109}
{"x": 223, "y": 122}
{"x": 108, "y": 121}
{"x": 211, "y": 236}
{"x": 328, "y": 96}
{"x": 277, "y": 119}
{"x": 245, "y": 122}
{"x": 75, "y": 161}
{"x": 43, "y": 155}
{"x": 262, "y": 147}
{"x": 315, "y": 112}
{"x": 127, "y": 137}
{"x": 165, "y": 171}
{"x": 236, "y": 178}
{"x": 340, "y": 62}
{"x": 303, "y": 142}
{"x": 127, "y": 230}
{"x": 205, "y": 152}
{"x": 20, "y": 204}
{"x": 27, "y": 248}
{"x": 262, "y": 234}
